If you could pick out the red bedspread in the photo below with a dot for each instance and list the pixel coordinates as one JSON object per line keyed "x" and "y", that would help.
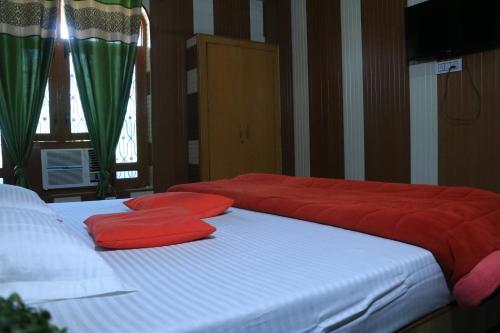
{"x": 460, "y": 226}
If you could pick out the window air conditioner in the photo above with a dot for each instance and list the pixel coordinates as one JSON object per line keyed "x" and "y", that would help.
{"x": 69, "y": 168}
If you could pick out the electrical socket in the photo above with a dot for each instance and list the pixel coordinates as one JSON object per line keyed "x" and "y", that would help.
{"x": 443, "y": 67}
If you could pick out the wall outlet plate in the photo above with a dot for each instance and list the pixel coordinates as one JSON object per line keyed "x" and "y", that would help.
{"x": 443, "y": 67}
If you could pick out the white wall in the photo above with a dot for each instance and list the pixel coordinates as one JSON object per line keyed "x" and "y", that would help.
{"x": 423, "y": 121}
{"x": 352, "y": 85}
{"x": 257, "y": 20}
{"x": 203, "y": 17}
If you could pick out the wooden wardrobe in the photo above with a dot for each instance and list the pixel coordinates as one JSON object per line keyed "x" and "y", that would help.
{"x": 233, "y": 107}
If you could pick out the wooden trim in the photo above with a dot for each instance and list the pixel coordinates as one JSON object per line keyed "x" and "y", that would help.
{"x": 277, "y": 106}
{"x": 5, "y": 169}
{"x": 88, "y": 193}
{"x": 238, "y": 42}
{"x": 386, "y": 91}
{"x": 142, "y": 165}
{"x": 453, "y": 319}
{"x": 204, "y": 157}
{"x": 171, "y": 25}
{"x": 191, "y": 58}
{"x": 278, "y": 29}
{"x": 232, "y": 18}
{"x": 192, "y": 117}
{"x": 325, "y": 88}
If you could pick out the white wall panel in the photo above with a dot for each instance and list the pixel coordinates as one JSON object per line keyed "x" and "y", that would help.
{"x": 192, "y": 81}
{"x": 352, "y": 77}
{"x": 300, "y": 88}
{"x": 257, "y": 21}
{"x": 414, "y": 2}
{"x": 423, "y": 121}
{"x": 203, "y": 17}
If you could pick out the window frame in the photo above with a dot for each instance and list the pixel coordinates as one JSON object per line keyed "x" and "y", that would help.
{"x": 60, "y": 108}
{"x": 3, "y": 174}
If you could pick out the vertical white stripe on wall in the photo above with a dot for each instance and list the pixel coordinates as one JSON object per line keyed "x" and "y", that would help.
{"x": 423, "y": 121}
{"x": 352, "y": 77}
{"x": 257, "y": 21}
{"x": 414, "y": 2}
{"x": 203, "y": 17}
{"x": 300, "y": 87}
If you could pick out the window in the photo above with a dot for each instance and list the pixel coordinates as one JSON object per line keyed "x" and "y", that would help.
{"x": 62, "y": 119}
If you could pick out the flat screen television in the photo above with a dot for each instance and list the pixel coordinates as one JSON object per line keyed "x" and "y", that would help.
{"x": 439, "y": 29}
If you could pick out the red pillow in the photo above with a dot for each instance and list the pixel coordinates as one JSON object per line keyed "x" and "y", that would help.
{"x": 199, "y": 204}
{"x": 148, "y": 228}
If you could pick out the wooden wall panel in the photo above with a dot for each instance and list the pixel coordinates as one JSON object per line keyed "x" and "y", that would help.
{"x": 325, "y": 88}
{"x": 386, "y": 91}
{"x": 171, "y": 25}
{"x": 278, "y": 29}
{"x": 469, "y": 150}
{"x": 232, "y": 18}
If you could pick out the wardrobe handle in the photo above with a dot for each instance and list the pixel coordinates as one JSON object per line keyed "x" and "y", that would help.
{"x": 248, "y": 132}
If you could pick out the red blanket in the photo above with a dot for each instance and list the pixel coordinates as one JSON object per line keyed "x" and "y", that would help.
{"x": 460, "y": 226}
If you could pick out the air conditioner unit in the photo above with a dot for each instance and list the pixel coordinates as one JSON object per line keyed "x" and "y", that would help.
{"x": 69, "y": 168}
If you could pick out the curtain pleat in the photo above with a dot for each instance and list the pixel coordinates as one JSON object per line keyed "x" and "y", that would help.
{"x": 27, "y": 36}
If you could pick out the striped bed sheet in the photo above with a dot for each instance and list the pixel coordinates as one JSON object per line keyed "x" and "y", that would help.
{"x": 257, "y": 273}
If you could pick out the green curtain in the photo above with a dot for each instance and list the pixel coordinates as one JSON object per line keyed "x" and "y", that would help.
{"x": 27, "y": 35}
{"x": 103, "y": 41}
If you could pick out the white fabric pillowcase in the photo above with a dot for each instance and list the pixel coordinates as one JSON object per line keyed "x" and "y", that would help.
{"x": 18, "y": 197}
{"x": 41, "y": 261}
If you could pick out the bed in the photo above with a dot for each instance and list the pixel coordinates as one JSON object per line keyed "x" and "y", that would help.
{"x": 257, "y": 273}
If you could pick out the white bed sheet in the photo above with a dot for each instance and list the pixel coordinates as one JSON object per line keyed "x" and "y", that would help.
{"x": 258, "y": 273}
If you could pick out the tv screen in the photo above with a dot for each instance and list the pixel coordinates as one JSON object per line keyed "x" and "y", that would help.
{"x": 439, "y": 29}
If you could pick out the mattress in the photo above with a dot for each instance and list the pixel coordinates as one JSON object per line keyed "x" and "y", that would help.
{"x": 257, "y": 273}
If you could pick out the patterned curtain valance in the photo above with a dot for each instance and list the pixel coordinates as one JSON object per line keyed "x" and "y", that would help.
{"x": 109, "y": 20}
{"x": 24, "y": 18}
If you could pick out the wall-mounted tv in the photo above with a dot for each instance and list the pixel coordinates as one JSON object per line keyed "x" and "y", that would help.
{"x": 438, "y": 29}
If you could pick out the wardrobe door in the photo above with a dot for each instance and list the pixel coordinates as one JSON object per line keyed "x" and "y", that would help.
{"x": 261, "y": 117}
{"x": 225, "y": 93}
{"x": 239, "y": 110}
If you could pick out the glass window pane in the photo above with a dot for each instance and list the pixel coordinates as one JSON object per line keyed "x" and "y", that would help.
{"x": 44, "y": 121}
{"x": 126, "y": 151}
{"x": 78, "y": 124}
{"x": 64, "y": 28}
